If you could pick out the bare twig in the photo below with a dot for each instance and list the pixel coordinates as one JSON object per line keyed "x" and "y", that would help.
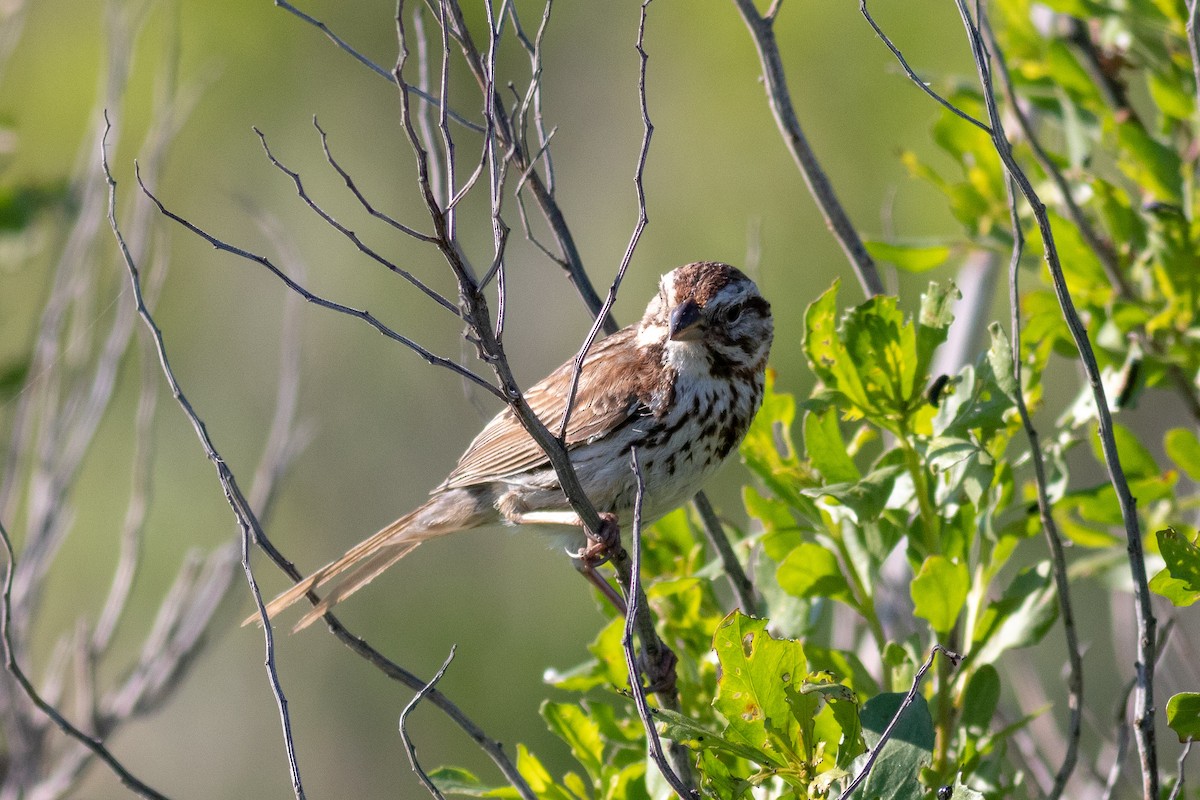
{"x": 371, "y": 65}
{"x": 1144, "y": 698}
{"x": 349, "y": 234}
{"x": 762, "y": 30}
{"x": 241, "y": 508}
{"x": 635, "y": 608}
{"x": 1177, "y": 789}
{"x": 954, "y": 658}
{"x": 922, "y": 85}
{"x": 315, "y": 299}
{"x": 1104, "y": 250}
{"x": 1120, "y": 714}
{"x": 569, "y": 258}
{"x": 358, "y": 195}
{"x": 642, "y": 220}
{"x": 743, "y": 589}
{"x": 409, "y": 747}
{"x": 1058, "y": 559}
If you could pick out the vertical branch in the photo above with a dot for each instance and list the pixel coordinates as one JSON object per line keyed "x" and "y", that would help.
{"x": 1144, "y": 696}
{"x": 642, "y": 220}
{"x": 762, "y": 30}
{"x": 247, "y": 523}
{"x": 678, "y": 775}
{"x": 739, "y": 581}
{"x": 1058, "y": 559}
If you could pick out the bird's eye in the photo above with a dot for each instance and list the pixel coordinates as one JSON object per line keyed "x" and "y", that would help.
{"x": 732, "y": 314}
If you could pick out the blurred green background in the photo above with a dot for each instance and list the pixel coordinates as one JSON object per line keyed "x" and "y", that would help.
{"x": 386, "y": 426}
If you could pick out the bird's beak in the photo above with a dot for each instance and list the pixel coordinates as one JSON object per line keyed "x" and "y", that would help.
{"x": 686, "y": 322}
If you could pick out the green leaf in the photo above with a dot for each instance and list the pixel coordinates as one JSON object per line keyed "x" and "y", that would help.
{"x": 826, "y": 449}
{"x": 1181, "y": 584}
{"x": 910, "y": 748}
{"x": 910, "y": 257}
{"x": 1183, "y": 715}
{"x": 939, "y": 591}
{"x": 811, "y": 571}
{"x": 760, "y": 676}
{"x": 933, "y": 323}
{"x": 980, "y": 700}
{"x": 1020, "y": 617}
{"x": 1150, "y": 163}
{"x": 867, "y": 497}
{"x": 538, "y": 778}
{"x": 964, "y": 792}
{"x": 1000, "y": 358}
{"x": 685, "y": 730}
{"x": 1183, "y": 448}
{"x": 453, "y": 780}
{"x": 1173, "y": 589}
{"x": 581, "y": 733}
{"x": 827, "y": 353}
{"x": 1169, "y": 96}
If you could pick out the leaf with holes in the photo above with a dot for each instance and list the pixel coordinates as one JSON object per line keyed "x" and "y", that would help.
{"x": 761, "y": 678}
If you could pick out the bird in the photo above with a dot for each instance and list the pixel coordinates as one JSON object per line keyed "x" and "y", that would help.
{"x": 681, "y": 387}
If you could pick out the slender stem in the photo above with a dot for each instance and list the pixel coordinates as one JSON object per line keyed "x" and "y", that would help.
{"x": 409, "y": 747}
{"x": 1143, "y": 610}
{"x": 14, "y": 669}
{"x": 678, "y": 775}
{"x": 1058, "y": 558}
{"x": 953, "y": 658}
{"x": 762, "y": 30}
{"x": 930, "y": 521}
{"x": 743, "y": 589}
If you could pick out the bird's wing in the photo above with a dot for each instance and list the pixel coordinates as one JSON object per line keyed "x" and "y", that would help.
{"x": 606, "y": 398}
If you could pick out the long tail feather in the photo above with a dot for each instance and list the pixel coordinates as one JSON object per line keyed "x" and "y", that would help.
{"x": 359, "y": 577}
{"x": 395, "y": 537}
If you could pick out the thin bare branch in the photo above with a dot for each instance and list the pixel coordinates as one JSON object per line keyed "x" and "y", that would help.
{"x": 1177, "y": 789}
{"x": 922, "y": 85}
{"x": 642, "y": 220}
{"x": 363, "y": 315}
{"x": 247, "y": 522}
{"x": 371, "y": 65}
{"x": 358, "y": 195}
{"x": 14, "y": 669}
{"x": 873, "y": 756}
{"x": 682, "y": 782}
{"x": 1058, "y": 559}
{"x": 743, "y": 589}
{"x": 762, "y": 30}
{"x": 409, "y": 747}
{"x": 349, "y": 234}
{"x": 1144, "y": 612}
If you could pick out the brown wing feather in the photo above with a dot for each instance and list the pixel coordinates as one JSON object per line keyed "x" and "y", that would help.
{"x": 503, "y": 447}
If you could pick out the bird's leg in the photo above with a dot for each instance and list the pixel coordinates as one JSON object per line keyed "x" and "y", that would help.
{"x": 602, "y": 545}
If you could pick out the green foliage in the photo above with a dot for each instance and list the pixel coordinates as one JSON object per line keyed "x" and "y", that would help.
{"x": 884, "y": 461}
{"x": 1183, "y": 715}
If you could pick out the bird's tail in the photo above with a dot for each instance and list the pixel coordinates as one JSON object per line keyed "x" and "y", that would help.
{"x": 365, "y": 561}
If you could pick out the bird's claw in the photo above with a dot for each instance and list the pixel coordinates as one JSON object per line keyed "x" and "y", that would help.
{"x": 601, "y": 545}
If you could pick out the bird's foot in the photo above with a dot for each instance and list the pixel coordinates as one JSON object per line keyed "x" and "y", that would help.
{"x": 602, "y": 545}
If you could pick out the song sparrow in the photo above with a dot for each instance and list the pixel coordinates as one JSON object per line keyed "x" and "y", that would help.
{"x": 681, "y": 386}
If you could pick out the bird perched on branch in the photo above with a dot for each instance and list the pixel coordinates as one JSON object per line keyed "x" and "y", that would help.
{"x": 681, "y": 387}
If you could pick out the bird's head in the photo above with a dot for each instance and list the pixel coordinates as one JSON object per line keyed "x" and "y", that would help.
{"x": 709, "y": 315}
